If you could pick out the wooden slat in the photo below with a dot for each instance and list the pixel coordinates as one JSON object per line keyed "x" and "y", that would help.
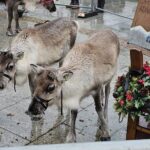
{"x": 136, "y": 58}
{"x": 142, "y": 129}
{"x": 144, "y": 51}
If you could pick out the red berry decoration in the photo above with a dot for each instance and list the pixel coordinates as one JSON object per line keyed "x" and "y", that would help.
{"x": 133, "y": 99}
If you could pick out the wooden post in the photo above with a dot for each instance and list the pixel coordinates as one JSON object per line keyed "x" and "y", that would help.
{"x": 136, "y": 64}
{"x": 136, "y": 58}
{"x": 131, "y": 128}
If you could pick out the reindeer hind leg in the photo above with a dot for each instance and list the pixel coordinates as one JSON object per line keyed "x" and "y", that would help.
{"x": 107, "y": 92}
{"x": 104, "y": 131}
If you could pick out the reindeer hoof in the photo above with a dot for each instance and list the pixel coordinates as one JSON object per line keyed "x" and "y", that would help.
{"x": 9, "y": 33}
{"x": 102, "y": 135}
{"x": 18, "y": 30}
{"x": 71, "y": 138}
{"x": 105, "y": 138}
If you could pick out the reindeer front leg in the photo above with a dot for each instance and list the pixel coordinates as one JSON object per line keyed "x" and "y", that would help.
{"x": 71, "y": 137}
{"x": 16, "y": 15}
{"x": 10, "y": 17}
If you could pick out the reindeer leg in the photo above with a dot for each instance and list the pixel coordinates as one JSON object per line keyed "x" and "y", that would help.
{"x": 73, "y": 35}
{"x": 16, "y": 15}
{"x": 10, "y": 17}
{"x": 107, "y": 92}
{"x": 104, "y": 133}
{"x": 71, "y": 137}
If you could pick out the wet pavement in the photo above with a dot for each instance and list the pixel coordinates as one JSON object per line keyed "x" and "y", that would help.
{"x": 16, "y": 128}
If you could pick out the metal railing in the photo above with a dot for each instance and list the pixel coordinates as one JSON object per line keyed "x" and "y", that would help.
{"x": 94, "y": 8}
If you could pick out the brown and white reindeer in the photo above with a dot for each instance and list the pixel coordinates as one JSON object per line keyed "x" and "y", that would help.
{"x": 86, "y": 69}
{"x": 45, "y": 44}
{"x": 12, "y": 10}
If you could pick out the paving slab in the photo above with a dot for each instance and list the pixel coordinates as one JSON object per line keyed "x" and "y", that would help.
{"x": 9, "y": 97}
{"x": 58, "y": 135}
{"x": 8, "y": 139}
{"x": 15, "y": 120}
{"x": 121, "y": 134}
{"x": 88, "y": 123}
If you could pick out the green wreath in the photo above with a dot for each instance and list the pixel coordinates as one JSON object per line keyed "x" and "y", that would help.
{"x": 132, "y": 94}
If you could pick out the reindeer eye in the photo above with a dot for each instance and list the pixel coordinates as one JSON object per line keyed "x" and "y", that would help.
{"x": 10, "y": 66}
{"x": 50, "y": 87}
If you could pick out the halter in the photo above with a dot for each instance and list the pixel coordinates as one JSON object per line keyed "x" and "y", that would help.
{"x": 42, "y": 101}
{"x": 7, "y": 76}
{"x": 15, "y": 82}
{"x": 61, "y": 106}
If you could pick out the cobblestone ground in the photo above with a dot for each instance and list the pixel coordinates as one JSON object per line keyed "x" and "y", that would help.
{"x": 16, "y": 128}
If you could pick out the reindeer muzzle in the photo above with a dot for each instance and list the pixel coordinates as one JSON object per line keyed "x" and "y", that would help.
{"x": 38, "y": 106}
{"x": 6, "y": 75}
{"x": 43, "y": 102}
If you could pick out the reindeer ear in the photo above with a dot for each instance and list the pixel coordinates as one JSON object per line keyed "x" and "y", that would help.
{"x": 36, "y": 69}
{"x": 67, "y": 75}
{"x": 19, "y": 56}
{"x": 4, "y": 52}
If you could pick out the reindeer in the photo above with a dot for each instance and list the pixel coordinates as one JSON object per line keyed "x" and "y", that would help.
{"x": 12, "y": 9}
{"x": 86, "y": 69}
{"x": 45, "y": 44}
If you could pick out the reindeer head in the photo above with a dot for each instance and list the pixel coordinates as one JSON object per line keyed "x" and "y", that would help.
{"x": 7, "y": 67}
{"x": 49, "y": 4}
{"x": 47, "y": 88}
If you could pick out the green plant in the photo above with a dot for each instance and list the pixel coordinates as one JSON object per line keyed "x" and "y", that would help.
{"x": 132, "y": 94}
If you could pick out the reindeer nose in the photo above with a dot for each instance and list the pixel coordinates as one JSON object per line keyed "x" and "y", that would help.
{"x": 34, "y": 109}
